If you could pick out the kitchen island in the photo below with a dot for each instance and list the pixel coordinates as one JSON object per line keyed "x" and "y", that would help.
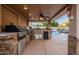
{"x": 8, "y": 43}
{"x": 13, "y": 43}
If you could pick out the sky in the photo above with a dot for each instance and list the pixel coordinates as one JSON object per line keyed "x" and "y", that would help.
{"x": 62, "y": 19}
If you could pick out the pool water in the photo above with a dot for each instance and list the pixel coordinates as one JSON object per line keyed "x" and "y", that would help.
{"x": 55, "y": 33}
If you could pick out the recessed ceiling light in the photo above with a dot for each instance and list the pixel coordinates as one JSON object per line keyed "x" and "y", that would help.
{"x": 25, "y": 7}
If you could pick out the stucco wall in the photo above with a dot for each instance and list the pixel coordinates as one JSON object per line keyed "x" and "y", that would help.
{"x": 72, "y": 26}
{"x": 22, "y": 21}
{"x": 77, "y": 28}
{"x": 77, "y": 21}
{"x": 72, "y": 40}
{"x": 8, "y": 17}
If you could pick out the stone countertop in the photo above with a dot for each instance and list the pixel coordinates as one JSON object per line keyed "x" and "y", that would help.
{"x": 9, "y": 45}
{"x": 8, "y": 33}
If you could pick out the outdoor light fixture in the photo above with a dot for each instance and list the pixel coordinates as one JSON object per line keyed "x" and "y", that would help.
{"x": 68, "y": 12}
{"x": 25, "y": 7}
{"x": 71, "y": 17}
{"x": 41, "y": 18}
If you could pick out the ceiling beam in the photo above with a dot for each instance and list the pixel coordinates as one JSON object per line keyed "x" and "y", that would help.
{"x": 12, "y": 10}
{"x": 59, "y": 11}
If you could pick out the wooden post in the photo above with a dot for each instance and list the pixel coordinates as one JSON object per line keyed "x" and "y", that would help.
{"x": 0, "y": 17}
{"x": 49, "y": 28}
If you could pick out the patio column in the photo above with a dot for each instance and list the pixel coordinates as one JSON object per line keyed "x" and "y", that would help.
{"x": 77, "y": 27}
{"x": 49, "y": 28}
{"x": 72, "y": 40}
{"x": 49, "y": 24}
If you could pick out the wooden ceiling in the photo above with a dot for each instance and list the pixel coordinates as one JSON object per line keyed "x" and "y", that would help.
{"x": 35, "y": 9}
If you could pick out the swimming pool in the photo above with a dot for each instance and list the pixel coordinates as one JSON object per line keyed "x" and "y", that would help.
{"x": 54, "y": 33}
